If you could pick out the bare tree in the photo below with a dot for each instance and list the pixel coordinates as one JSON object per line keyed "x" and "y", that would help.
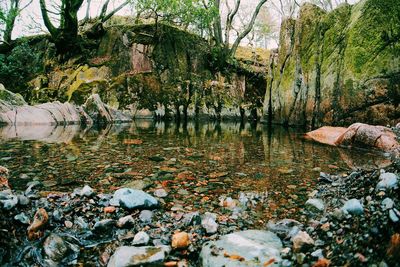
{"x": 66, "y": 36}
{"x": 10, "y": 12}
{"x": 228, "y": 49}
{"x": 286, "y": 8}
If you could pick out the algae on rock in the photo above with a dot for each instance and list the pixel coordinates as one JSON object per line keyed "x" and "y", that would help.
{"x": 337, "y": 67}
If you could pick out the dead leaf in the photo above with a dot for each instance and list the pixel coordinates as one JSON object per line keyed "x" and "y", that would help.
{"x": 218, "y": 174}
{"x": 133, "y": 142}
{"x": 186, "y": 175}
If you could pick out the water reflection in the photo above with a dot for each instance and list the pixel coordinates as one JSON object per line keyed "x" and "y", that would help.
{"x": 280, "y": 147}
{"x": 227, "y": 158}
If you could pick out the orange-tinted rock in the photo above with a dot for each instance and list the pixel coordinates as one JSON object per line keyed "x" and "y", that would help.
{"x": 369, "y": 136}
{"x": 109, "y": 209}
{"x": 394, "y": 247}
{"x": 4, "y": 183}
{"x": 3, "y": 178}
{"x": 180, "y": 240}
{"x": 357, "y": 135}
{"x": 3, "y": 171}
{"x": 322, "y": 263}
{"x": 326, "y": 135}
{"x": 39, "y": 221}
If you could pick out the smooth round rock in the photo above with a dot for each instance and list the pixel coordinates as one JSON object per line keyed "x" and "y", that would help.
{"x": 141, "y": 238}
{"x": 133, "y": 199}
{"x": 315, "y": 204}
{"x": 126, "y": 256}
{"x": 353, "y": 206}
{"x": 388, "y": 180}
{"x": 253, "y": 247}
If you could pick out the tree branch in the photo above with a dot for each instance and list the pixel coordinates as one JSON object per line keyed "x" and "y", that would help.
{"x": 105, "y": 18}
{"x": 229, "y": 21}
{"x": 104, "y": 9}
{"x": 50, "y": 27}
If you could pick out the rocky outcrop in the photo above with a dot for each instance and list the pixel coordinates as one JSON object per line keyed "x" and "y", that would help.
{"x": 15, "y": 111}
{"x": 153, "y": 71}
{"x": 358, "y": 135}
{"x": 337, "y": 68}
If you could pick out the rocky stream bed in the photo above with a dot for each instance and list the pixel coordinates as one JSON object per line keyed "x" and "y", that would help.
{"x": 352, "y": 219}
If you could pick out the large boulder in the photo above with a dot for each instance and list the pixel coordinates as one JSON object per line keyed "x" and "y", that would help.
{"x": 336, "y": 67}
{"x": 15, "y": 111}
{"x": 358, "y": 135}
{"x": 101, "y": 113}
{"x": 368, "y": 136}
{"x": 246, "y": 248}
{"x": 326, "y": 135}
{"x": 10, "y": 98}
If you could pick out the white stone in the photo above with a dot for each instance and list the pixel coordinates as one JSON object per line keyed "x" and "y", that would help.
{"x": 353, "y": 206}
{"x": 127, "y": 256}
{"x": 256, "y": 247}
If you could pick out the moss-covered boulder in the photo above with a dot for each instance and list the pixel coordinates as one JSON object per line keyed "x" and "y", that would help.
{"x": 10, "y": 98}
{"x": 338, "y": 67}
{"x": 151, "y": 68}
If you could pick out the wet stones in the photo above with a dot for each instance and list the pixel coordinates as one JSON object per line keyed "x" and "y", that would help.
{"x": 59, "y": 251}
{"x": 104, "y": 225}
{"x": 245, "y": 248}
{"x": 208, "y": 223}
{"x": 86, "y": 191}
{"x": 284, "y": 228}
{"x": 315, "y": 205}
{"x": 39, "y": 222}
{"x": 302, "y": 241}
{"x": 394, "y": 215}
{"x": 22, "y": 218}
{"x": 55, "y": 248}
{"x": 353, "y": 206}
{"x": 140, "y": 239}
{"x": 180, "y": 240}
{"x": 138, "y": 256}
{"x": 146, "y": 216}
{"x": 9, "y": 203}
{"x": 133, "y": 199}
{"x": 387, "y": 204}
{"x": 126, "y": 221}
{"x": 387, "y": 181}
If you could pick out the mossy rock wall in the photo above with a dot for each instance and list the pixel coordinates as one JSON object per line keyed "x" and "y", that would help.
{"x": 339, "y": 67}
{"x": 156, "y": 68}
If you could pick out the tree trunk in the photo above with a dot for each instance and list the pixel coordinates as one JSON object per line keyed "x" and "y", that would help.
{"x": 229, "y": 21}
{"x": 66, "y": 36}
{"x": 217, "y": 28}
{"x": 10, "y": 21}
{"x": 87, "y": 16}
{"x": 248, "y": 29}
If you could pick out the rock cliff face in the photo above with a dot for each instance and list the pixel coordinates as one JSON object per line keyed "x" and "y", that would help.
{"x": 151, "y": 70}
{"x": 337, "y": 68}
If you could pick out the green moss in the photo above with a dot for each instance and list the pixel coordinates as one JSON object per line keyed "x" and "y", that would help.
{"x": 11, "y": 98}
{"x": 373, "y": 42}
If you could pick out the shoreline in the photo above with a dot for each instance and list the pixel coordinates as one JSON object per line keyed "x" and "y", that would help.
{"x": 331, "y": 236}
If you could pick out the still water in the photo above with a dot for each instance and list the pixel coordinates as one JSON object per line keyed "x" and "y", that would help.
{"x": 197, "y": 163}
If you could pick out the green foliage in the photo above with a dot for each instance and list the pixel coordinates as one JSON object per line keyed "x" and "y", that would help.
{"x": 18, "y": 67}
{"x": 185, "y": 13}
